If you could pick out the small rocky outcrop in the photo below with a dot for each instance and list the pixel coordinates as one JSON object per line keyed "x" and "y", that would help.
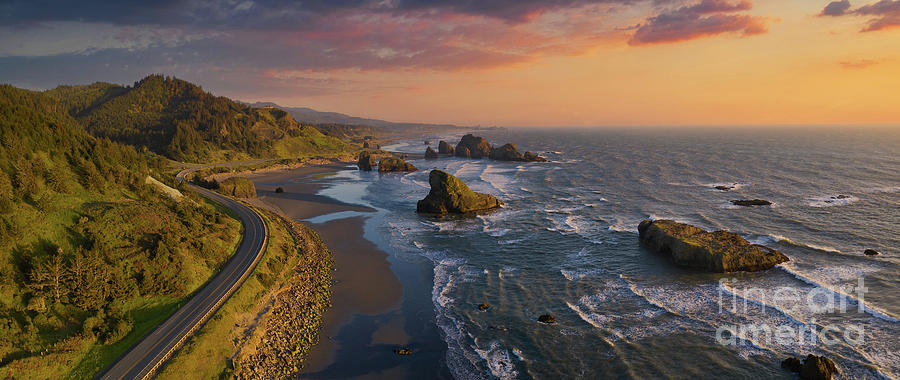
{"x": 750, "y": 202}
{"x": 451, "y": 195}
{"x": 484, "y": 306}
{"x": 403, "y": 351}
{"x": 509, "y": 152}
{"x": 365, "y": 161}
{"x": 813, "y": 367}
{"x": 533, "y": 157}
{"x": 430, "y": 154}
{"x": 238, "y": 187}
{"x": 279, "y": 190}
{"x": 366, "y": 145}
{"x": 444, "y": 148}
{"x": 478, "y": 147}
{"x": 718, "y": 251}
{"x": 427, "y": 142}
{"x": 871, "y": 252}
{"x": 792, "y": 364}
{"x": 547, "y": 318}
{"x": 724, "y": 187}
{"x": 395, "y": 165}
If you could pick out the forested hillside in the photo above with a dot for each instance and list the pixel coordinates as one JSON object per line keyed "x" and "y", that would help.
{"x": 91, "y": 257}
{"x": 178, "y": 119}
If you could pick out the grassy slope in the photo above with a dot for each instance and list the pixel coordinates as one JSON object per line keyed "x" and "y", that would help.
{"x": 66, "y": 194}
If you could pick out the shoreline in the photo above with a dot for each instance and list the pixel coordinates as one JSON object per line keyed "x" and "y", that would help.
{"x": 379, "y": 303}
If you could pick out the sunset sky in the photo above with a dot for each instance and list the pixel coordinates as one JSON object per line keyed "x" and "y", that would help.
{"x": 470, "y": 62}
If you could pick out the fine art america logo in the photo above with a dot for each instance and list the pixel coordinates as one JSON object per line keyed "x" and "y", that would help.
{"x": 815, "y": 302}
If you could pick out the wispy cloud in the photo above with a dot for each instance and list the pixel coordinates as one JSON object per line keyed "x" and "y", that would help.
{"x": 707, "y": 18}
{"x": 858, "y": 64}
{"x": 885, "y": 13}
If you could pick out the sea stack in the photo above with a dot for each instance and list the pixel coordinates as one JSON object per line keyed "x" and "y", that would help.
{"x": 366, "y": 161}
{"x": 395, "y": 165}
{"x": 509, "y": 152}
{"x": 718, "y": 251}
{"x": 449, "y": 195}
{"x": 477, "y": 147}
{"x": 444, "y": 148}
{"x": 430, "y": 154}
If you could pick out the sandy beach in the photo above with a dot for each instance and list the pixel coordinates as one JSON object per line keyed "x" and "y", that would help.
{"x": 379, "y": 304}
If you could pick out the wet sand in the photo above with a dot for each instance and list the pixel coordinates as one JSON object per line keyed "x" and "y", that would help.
{"x": 373, "y": 311}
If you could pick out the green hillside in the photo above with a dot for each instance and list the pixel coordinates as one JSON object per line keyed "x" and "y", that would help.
{"x": 178, "y": 119}
{"x": 91, "y": 258}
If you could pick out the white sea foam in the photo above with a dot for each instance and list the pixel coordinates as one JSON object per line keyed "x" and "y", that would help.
{"x": 578, "y": 274}
{"x": 498, "y": 361}
{"x": 832, "y": 200}
{"x": 828, "y": 278}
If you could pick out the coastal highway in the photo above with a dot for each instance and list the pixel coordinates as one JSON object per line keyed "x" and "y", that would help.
{"x": 146, "y": 357}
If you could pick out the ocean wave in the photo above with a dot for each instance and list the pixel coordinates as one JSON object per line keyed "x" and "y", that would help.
{"x": 881, "y": 189}
{"x": 832, "y": 200}
{"x": 826, "y": 278}
{"x": 496, "y": 178}
{"x": 775, "y": 238}
{"x": 578, "y": 274}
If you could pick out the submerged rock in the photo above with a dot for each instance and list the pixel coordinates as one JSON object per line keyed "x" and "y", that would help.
{"x": 547, "y": 318}
{"x": 365, "y": 161}
{"x": 430, "y": 154}
{"x": 529, "y": 156}
{"x": 403, "y": 351}
{"x": 478, "y": 147}
{"x": 395, "y": 165}
{"x": 451, "y": 195}
{"x": 724, "y": 187}
{"x": 817, "y": 368}
{"x": 444, "y": 148}
{"x": 750, "y": 202}
{"x": 718, "y": 251}
{"x": 871, "y": 252}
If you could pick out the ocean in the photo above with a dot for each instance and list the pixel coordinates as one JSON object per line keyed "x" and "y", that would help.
{"x": 566, "y": 243}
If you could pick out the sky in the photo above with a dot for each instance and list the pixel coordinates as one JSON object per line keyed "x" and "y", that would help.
{"x": 482, "y": 62}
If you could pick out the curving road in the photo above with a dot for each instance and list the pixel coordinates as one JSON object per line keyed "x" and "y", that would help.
{"x": 145, "y": 358}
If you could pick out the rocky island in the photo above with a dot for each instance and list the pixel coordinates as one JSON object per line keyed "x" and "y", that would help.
{"x": 451, "y": 195}
{"x": 718, "y": 251}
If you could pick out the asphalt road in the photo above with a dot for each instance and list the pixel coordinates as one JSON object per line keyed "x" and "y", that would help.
{"x": 146, "y": 357}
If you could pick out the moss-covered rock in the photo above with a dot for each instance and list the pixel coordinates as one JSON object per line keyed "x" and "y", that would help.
{"x": 238, "y": 187}
{"x": 450, "y": 195}
{"x": 478, "y": 147}
{"x": 430, "y": 154}
{"x": 444, "y": 148}
{"x": 718, "y": 251}
{"x": 817, "y": 368}
{"x": 365, "y": 161}
{"x": 395, "y": 165}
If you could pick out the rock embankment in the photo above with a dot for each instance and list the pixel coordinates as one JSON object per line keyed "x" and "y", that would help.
{"x": 450, "y": 195}
{"x": 718, "y": 251}
{"x": 238, "y": 187}
{"x": 289, "y": 328}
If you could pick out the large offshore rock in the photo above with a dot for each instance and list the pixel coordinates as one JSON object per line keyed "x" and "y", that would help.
{"x": 478, "y": 147}
{"x": 817, "y": 368}
{"x": 365, "y": 161}
{"x": 718, "y": 251}
{"x": 450, "y": 195}
{"x": 509, "y": 152}
{"x": 395, "y": 165}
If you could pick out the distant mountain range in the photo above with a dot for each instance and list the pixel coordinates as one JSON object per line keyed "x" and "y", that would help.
{"x": 311, "y": 116}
